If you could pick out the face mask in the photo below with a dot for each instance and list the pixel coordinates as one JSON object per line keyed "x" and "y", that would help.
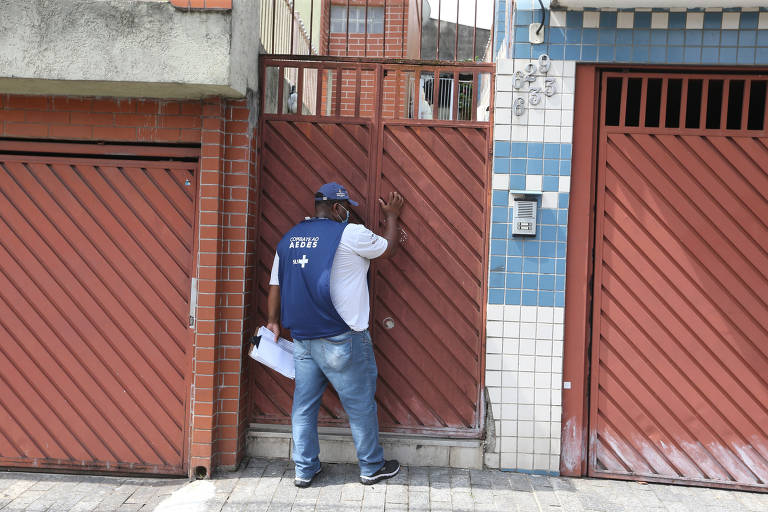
{"x": 346, "y": 219}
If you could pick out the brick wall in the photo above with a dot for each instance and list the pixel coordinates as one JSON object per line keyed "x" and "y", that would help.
{"x": 226, "y": 210}
{"x": 202, "y": 4}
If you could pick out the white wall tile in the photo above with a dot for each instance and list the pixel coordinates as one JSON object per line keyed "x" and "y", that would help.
{"x": 525, "y": 379}
{"x": 762, "y": 20}
{"x": 496, "y": 409}
{"x": 495, "y": 311}
{"x": 512, "y": 313}
{"x": 508, "y": 461}
{"x": 542, "y": 412}
{"x": 509, "y": 379}
{"x": 566, "y": 100}
{"x": 541, "y": 429}
{"x": 625, "y": 19}
{"x": 509, "y": 362}
{"x": 503, "y": 115}
{"x": 527, "y": 347}
{"x": 558, "y": 315}
{"x": 509, "y": 412}
{"x": 526, "y": 363}
{"x": 535, "y": 117}
{"x": 541, "y": 446}
{"x": 525, "y": 429}
{"x": 518, "y": 133}
{"x": 660, "y": 20}
{"x": 565, "y": 184}
{"x": 525, "y": 444}
{"x": 512, "y": 346}
{"x": 535, "y": 134}
{"x": 544, "y": 331}
{"x": 549, "y": 200}
{"x": 525, "y": 396}
{"x": 694, "y": 20}
{"x": 543, "y": 347}
{"x": 525, "y": 461}
{"x": 501, "y": 132}
{"x": 731, "y": 20}
{"x": 557, "y": 332}
{"x": 543, "y": 380}
{"x": 493, "y": 361}
{"x": 543, "y": 364}
{"x": 591, "y": 19}
{"x": 557, "y": 18}
{"x": 500, "y": 182}
{"x": 509, "y": 395}
{"x": 503, "y": 99}
{"x": 528, "y": 330}
{"x": 505, "y": 67}
{"x": 552, "y": 118}
{"x": 493, "y": 345}
{"x": 494, "y": 329}
{"x": 533, "y": 182}
{"x": 511, "y": 329}
{"x": 541, "y": 462}
{"x": 504, "y": 82}
{"x": 567, "y": 118}
{"x": 509, "y": 428}
{"x": 545, "y": 314}
{"x": 543, "y": 396}
{"x": 566, "y": 134}
{"x": 557, "y": 349}
{"x": 528, "y": 313}
{"x": 552, "y": 133}
{"x": 494, "y": 394}
{"x": 492, "y": 378}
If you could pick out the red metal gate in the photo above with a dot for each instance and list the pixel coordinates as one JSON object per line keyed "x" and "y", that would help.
{"x": 680, "y": 321}
{"x": 95, "y": 262}
{"x": 361, "y": 124}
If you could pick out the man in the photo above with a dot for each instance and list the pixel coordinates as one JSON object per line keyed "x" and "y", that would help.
{"x": 319, "y": 290}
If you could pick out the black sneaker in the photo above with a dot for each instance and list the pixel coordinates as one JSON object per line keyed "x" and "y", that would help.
{"x": 300, "y": 482}
{"x": 388, "y": 470}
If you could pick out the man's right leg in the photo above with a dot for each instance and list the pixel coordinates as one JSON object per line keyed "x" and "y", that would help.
{"x": 307, "y": 395}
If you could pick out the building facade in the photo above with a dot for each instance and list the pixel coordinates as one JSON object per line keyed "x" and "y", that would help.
{"x": 630, "y": 128}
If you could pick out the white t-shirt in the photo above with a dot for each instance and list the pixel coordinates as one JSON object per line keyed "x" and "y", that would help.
{"x": 349, "y": 272}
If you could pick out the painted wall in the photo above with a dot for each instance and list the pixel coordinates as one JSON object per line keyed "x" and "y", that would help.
{"x": 139, "y": 48}
{"x": 532, "y": 152}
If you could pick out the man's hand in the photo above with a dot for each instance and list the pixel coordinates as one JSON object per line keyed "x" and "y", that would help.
{"x": 275, "y": 328}
{"x": 391, "y": 209}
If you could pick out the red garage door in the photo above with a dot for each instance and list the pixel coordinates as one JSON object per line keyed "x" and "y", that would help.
{"x": 95, "y": 262}
{"x": 680, "y": 326}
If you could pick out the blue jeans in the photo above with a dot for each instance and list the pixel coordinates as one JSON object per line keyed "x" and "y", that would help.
{"x": 347, "y": 362}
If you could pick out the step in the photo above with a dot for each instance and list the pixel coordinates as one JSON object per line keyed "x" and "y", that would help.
{"x": 336, "y": 445}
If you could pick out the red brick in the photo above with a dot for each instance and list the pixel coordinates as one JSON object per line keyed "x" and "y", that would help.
{"x": 108, "y": 133}
{"x": 237, "y": 127}
{"x": 26, "y": 130}
{"x": 180, "y": 122}
{"x": 203, "y": 409}
{"x": 204, "y": 353}
{"x": 125, "y": 106}
{"x": 147, "y": 107}
{"x": 28, "y": 102}
{"x": 204, "y": 381}
{"x": 72, "y": 104}
{"x": 12, "y": 115}
{"x": 142, "y": 120}
{"x": 33, "y": 116}
{"x": 190, "y": 135}
{"x": 205, "y": 327}
{"x": 203, "y": 368}
{"x": 193, "y": 108}
{"x": 201, "y": 436}
{"x": 204, "y": 395}
{"x": 71, "y": 132}
{"x": 92, "y": 119}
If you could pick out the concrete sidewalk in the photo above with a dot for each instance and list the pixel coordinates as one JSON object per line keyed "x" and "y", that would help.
{"x": 267, "y": 485}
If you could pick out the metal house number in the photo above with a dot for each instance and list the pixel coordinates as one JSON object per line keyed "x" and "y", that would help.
{"x": 528, "y": 77}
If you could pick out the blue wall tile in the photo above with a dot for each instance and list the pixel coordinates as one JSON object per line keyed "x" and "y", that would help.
{"x": 642, "y": 20}
{"x": 677, "y": 19}
{"x": 713, "y": 20}
{"x": 729, "y": 37}
{"x": 748, "y": 20}
{"x": 746, "y": 56}
{"x": 748, "y": 38}
{"x": 607, "y": 19}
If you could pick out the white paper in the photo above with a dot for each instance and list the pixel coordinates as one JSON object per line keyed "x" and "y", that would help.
{"x": 277, "y": 354}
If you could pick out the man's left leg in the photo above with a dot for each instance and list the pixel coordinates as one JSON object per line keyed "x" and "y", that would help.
{"x": 350, "y": 365}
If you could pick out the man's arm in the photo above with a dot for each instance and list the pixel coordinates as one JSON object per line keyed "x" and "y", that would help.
{"x": 391, "y": 212}
{"x": 273, "y": 310}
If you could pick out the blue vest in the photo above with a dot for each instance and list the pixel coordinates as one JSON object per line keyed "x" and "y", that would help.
{"x": 306, "y": 256}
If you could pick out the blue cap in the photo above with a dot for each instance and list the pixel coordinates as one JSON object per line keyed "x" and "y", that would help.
{"x": 333, "y": 192}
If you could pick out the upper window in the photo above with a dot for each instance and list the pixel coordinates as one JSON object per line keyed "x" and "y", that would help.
{"x": 357, "y": 19}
